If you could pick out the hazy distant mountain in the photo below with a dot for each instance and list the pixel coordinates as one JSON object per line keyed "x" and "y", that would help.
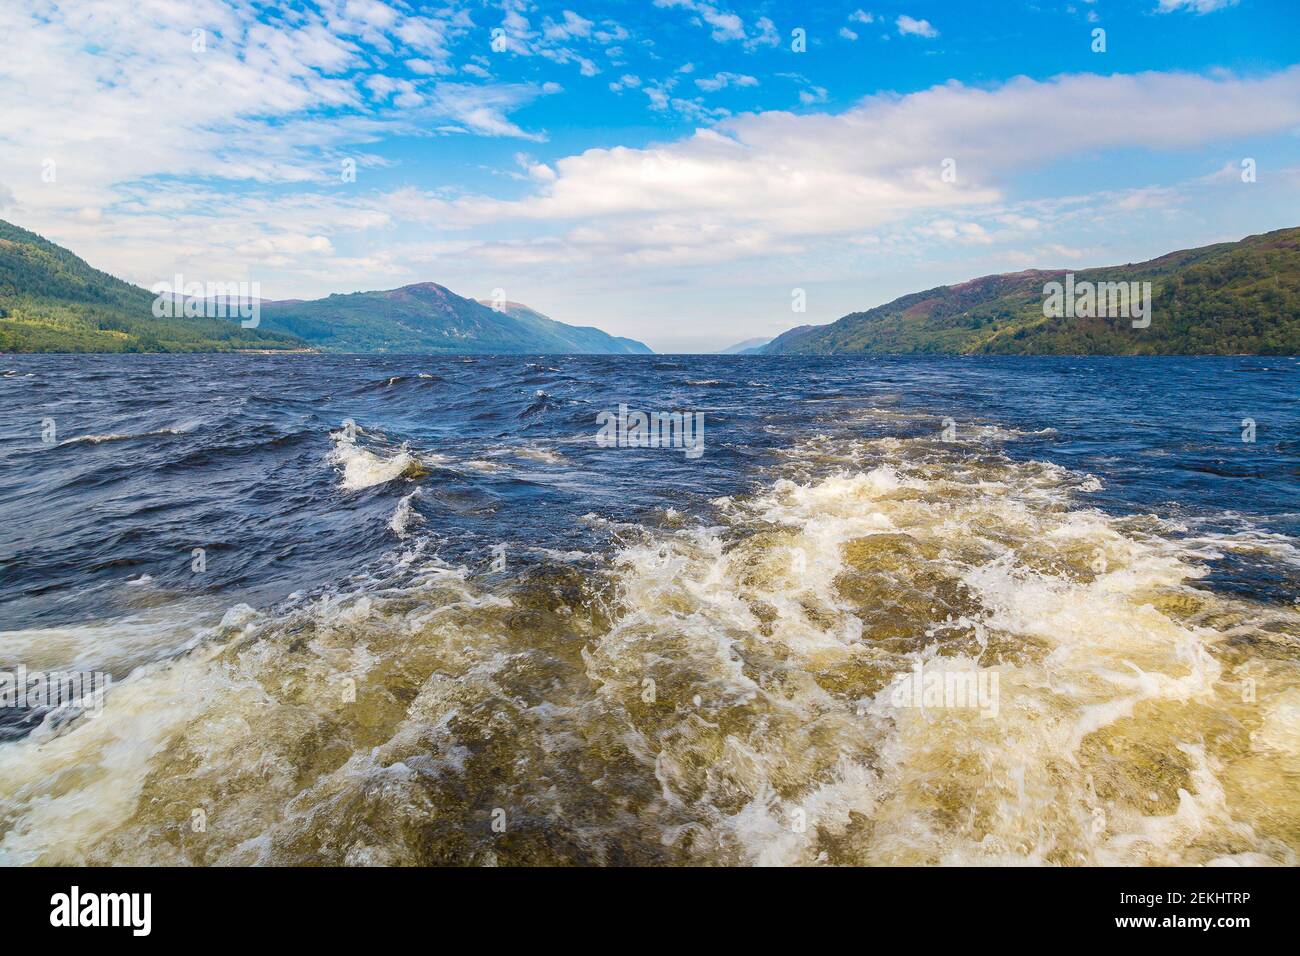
{"x": 1230, "y": 298}
{"x": 749, "y": 346}
{"x": 430, "y": 318}
{"x": 578, "y": 338}
{"x": 53, "y": 301}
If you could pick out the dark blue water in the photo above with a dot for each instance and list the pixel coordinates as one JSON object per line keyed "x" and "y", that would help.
{"x": 153, "y": 456}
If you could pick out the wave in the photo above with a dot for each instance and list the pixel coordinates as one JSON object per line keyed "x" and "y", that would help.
{"x": 182, "y": 429}
{"x": 405, "y": 515}
{"x": 542, "y": 400}
{"x": 362, "y": 468}
{"x": 386, "y": 384}
{"x": 536, "y": 453}
{"x": 782, "y": 649}
{"x": 724, "y": 692}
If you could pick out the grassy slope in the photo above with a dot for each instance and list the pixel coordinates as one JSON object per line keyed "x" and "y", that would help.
{"x": 574, "y": 338}
{"x": 53, "y": 301}
{"x": 419, "y": 318}
{"x": 1229, "y": 298}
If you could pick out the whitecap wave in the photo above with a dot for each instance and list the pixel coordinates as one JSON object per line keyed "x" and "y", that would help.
{"x": 181, "y": 429}
{"x": 362, "y": 468}
{"x": 405, "y": 515}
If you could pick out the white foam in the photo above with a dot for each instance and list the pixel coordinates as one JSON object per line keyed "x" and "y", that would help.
{"x": 1065, "y": 589}
{"x": 362, "y": 468}
{"x": 181, "y": 429}
{"x": 405, "y": 515}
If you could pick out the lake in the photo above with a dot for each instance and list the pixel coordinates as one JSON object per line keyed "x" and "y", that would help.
{"x": 414, "y": 610}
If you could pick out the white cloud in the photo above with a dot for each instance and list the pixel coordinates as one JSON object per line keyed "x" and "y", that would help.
{"x": 808, "y": 93}
{"x": 847, "y": 34}
{"x": 921, "y": 28}
{"x": 483, "y": 109}
{"x": 950, "y": 230}
{"x": 117, "y": 93}
{"x": 611, "y": 32}
{"x": 571, "y": 26}
{"x": 773, "y": 182}
{"x": 766, "y": 35}
{"x": 722, "y": 80}
{"x": 697, "y": 111}
{"x": 658, "y": 93}
{"x": 861, "y": 16}
{"x": 287, "y": 242}
{"x": 724, "y": 25}
{"x": 769, "y": 187}
{"x": 555, "y": 40}
{"x": 371, "y": 12}
{"x": 1196, "y": 6}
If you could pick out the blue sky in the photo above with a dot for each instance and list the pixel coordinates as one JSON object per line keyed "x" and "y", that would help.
{"x": 671, "y": 170}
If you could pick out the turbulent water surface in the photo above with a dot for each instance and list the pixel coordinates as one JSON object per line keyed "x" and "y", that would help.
{"x": 461, "y": 631}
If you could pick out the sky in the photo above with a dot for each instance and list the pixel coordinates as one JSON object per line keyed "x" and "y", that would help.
{"x": 682, "y": 172}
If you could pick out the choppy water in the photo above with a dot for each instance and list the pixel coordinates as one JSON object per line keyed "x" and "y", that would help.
{"x": 681, "y": 661}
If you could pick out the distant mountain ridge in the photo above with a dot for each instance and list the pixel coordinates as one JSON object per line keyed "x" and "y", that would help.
{"x": 429, "y": 318}
{"x": 1228, "y": 298}
{"x": 747, "y": 347}
{"x": 51, "y": 300}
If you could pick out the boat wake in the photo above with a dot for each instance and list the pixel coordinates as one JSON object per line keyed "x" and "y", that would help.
{"x": 726, "y": 691}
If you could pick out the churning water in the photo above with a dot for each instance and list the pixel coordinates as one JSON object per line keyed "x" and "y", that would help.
{"x": 459, "y": 630}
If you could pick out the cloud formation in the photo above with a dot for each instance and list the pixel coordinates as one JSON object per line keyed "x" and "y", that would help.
{"x": 1195, "y": 6}
{"x": 779, "y": 181}
{"x": 907, "y": 26}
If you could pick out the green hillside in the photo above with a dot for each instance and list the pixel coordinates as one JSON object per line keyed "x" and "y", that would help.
{"x": 1230, "y": 298}
{"x": 53, "y": 301}
{"x": 573, "y": 338}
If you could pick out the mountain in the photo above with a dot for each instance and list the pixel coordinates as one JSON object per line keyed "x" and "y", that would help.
{"x": 429, "y": 318}
{"x": 53, "y": 301}
{"x": 1229, "y": 298}
{"x": 576, "y": 338}
{"x": 747, "y": 347}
